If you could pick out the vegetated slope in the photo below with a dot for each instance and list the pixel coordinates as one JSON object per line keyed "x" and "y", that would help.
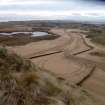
{"x": 22, "y": 83}
{"x": 19, "y": 39}
{"x": 97, "y": 35}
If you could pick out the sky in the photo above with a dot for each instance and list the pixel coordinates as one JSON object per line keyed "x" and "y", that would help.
{"x": 77, "y": 10}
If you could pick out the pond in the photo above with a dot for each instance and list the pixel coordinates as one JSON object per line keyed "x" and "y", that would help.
{"x": 33, "y": 34}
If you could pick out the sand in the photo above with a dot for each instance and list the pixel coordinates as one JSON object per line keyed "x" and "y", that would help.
{"x": 73, "y": 63}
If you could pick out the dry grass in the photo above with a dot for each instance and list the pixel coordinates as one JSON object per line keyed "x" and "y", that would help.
{"x": 97, "y": 53}
{"x": 97, "y": 35}
{"x": 23, "y": 39}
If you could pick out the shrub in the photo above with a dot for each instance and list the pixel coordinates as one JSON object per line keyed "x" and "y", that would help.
{"x": 3, "y": 52}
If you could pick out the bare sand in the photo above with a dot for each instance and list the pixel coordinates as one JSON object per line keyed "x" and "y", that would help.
{"x": 73, "y": 62}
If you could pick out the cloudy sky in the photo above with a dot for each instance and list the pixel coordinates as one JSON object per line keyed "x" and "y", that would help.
{"x": 85, "y": 10}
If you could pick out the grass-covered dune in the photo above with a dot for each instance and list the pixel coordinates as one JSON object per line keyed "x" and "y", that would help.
{"x": 22, "y": 83}
{"x": 97, "y": 35}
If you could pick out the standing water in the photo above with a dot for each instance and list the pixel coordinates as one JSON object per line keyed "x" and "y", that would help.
{"x": 33, "y": 34}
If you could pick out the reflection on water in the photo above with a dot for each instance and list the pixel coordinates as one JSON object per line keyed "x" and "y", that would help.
{"x": 33, "y": 34}
{"x": 39, "y": 33}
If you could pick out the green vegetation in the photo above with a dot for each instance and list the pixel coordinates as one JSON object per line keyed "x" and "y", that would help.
{"x": 97, "y": 35}
{"x": 3, "y": 52}
{"x": 22, "y": 83}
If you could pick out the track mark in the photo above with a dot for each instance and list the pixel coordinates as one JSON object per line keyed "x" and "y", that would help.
{"x": 47, "y": 54}
{"x": 87, "y": 76}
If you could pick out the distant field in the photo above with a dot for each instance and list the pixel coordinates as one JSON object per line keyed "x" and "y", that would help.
{"x": 97, "y": 35}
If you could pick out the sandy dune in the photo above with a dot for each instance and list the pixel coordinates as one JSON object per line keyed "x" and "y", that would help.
{"x": 68, "y": 57}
